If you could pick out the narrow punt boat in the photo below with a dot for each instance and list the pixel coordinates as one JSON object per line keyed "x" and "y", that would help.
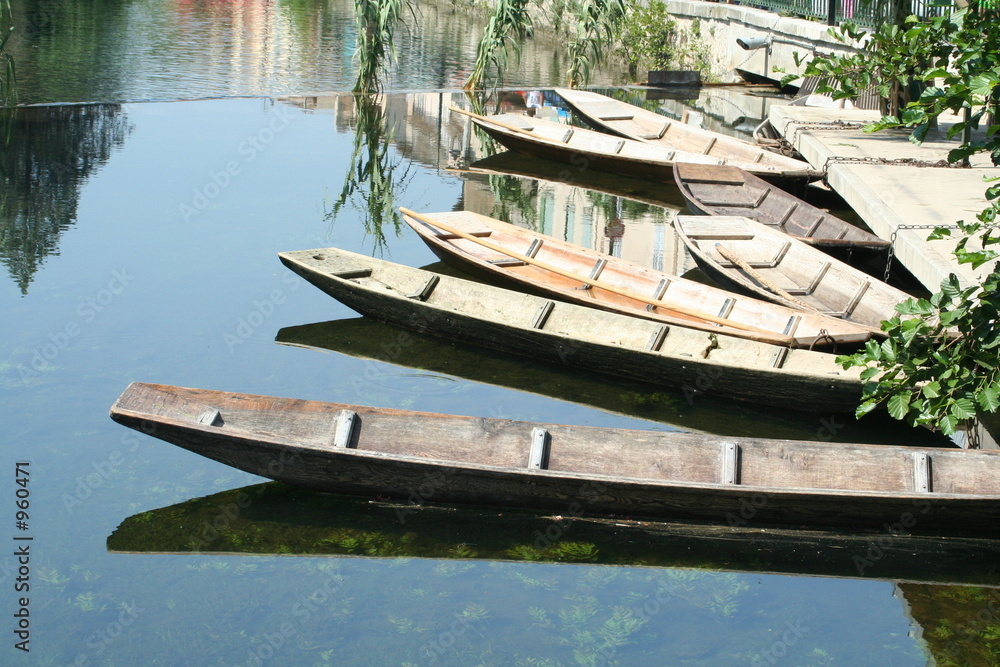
{"x": 574, "y": 469}
{"x": 542, "y": 264}
{"x": 585, "y": 149}
{"x": 598, "y": 341}
{"x": 756, "y": 259}
{"x": 725, "y": 190}
{"x": 638, "y": 124}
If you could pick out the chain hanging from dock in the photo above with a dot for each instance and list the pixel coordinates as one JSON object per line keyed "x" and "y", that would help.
{"x": 892, "y": 243}
{"x": 893, "y": 162}
{"x": 830, "y": 125}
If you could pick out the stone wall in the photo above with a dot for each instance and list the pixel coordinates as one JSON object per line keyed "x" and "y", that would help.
{"x": 722, "y": 24}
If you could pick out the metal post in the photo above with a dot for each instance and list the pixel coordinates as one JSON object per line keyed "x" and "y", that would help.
{"x": 831, "y": 12}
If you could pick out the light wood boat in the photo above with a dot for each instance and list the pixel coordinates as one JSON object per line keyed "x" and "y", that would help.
{"x": 754, "y": 258}
{"x": 618, "y": 345}
{"x": 586, "y": 149}
{"x": 724, "y": 190}
{"x": 576, "y": 470}
{"x": 543, "y": 264}
{"x": 638, "y": 124}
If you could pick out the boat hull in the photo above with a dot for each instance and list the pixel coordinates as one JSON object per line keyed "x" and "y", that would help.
{"x": 694, "y": 304}
{"x": 751, "y": 258}
{"x": 692, "y": 372}
{"x": 445, "y": 465}
{"x": 731, "y": 191}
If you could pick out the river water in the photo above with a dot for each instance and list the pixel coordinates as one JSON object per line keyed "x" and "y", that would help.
{"x": 139, "y": 239}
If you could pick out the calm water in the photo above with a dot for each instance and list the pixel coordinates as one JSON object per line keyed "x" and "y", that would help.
{"x": 139, "y": 242}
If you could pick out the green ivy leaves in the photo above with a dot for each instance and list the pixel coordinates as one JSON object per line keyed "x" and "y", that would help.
{"x": 939, "y": 364}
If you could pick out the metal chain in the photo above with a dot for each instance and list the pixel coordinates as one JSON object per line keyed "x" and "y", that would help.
{"x": 892, "y": 243}
{"x": 831, "y": 125}
{"x": 895, "y": 162}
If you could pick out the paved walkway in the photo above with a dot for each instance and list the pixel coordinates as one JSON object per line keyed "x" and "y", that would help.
{"x": 892, "y": 199}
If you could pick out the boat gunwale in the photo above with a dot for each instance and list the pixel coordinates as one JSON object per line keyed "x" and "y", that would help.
{"x": 530, "y": 136}
{"x": 267, "y": 442}
{"x": 783, "y": 371}
{"x": 689, "y": 130}
{"x": 737, "y": 279}
{"x": 696, "y": 203}
{"x": 767, "y": 336}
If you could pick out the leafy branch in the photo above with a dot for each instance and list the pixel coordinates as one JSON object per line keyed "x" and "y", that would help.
{"x": 940, "y": 362}
{"x": 597, "y": 25}
{"x": 376, "y": 21}
{"x": 509, "y": 24}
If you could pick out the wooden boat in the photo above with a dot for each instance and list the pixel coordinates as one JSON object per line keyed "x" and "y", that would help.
{"x": 638, "y": 124}
{"x": 597, "y": 341}
{"x": 663, "y": 195}
{"x": 574, "y": 469}
{"x": 412, "y": 362}
{"x": 724, "y": 190}
{"x": 543, "y": 264}
{"x": 757, "y": 259}
{"x": 301, "y": 523}
{"x": 585, "y": 149}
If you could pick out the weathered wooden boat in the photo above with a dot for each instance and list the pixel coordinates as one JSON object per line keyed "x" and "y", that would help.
{"x": 412, "y": 362}
{"x": 756, "y": 259}
{"x": 586, "y": 149}
{"x": 301, "y": 523}
{"x": 574, "y": 469}
{"x": 598, "y": 341}
{"x": 664, "y": 195}
{"x": 546, "y": 265}
{"x": 724, "y": 190}
{"x": 638, "y": 124}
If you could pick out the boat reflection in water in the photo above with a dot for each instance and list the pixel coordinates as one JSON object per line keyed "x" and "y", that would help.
{"x": 945, "y": 584}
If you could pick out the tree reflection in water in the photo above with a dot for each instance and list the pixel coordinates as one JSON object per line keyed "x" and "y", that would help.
{"x": 51, "y": 152}
{"x": 375, "y": 174}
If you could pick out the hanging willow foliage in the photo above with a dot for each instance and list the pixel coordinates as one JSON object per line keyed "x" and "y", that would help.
{"x": 8, "y": 75}
{"x": 597, "y": 24}
{"x": 377, "y": 174}
{"x": 376, "y": 21}
{"x": 509, "y": 24}
{"x": 8, "y": 82}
